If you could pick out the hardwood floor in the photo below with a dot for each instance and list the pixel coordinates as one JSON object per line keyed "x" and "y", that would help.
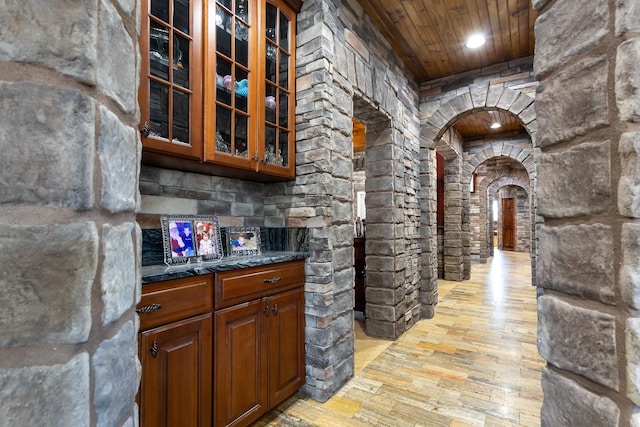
{"x": 474, "y": 364}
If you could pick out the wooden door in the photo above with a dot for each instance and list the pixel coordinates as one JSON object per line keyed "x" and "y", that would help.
{"x": 240, "y": 392}
{"x": 286, "y": 345}
{"x": 176, "y": 378}
{"x": 359, "y": 266}
{"x": 508, "y": 224}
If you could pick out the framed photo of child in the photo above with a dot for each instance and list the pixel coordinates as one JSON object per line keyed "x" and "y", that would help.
{"x": 178, "y": 238}
{"x": 243, "y": 241}
{"x": 208, "y": 240}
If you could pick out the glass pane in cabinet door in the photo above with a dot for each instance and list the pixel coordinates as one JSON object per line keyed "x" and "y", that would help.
{"x": 283, "y": 118}
{"x": 223, "y": 32}
{"x": 241, "y": 136}
{"x": 270, "y": 62}
{"x": 271, "y": 16}
{"x": 270, "y": 155}
{"x": 284, "y": 70}
{"x": 158, "y": 110}
{"x": 242, "y": 43}
{"x": 181, "y": 61}
{"x": 242, "y": 89}
{"x": 226, "y": 3}
{"x": 224, "y": 81}
{"x": 284, "y": 32}
{"x": 283, "y": 159}
{"x": 223, "y": 130}
{"x": 160, "y": 9}
{"x": 181, "y": 15}
{"x": 159, "y": 51}
{"x": 270, "y": 104}
{"x": 242, "y": 10}
{"x": 180, "y": 117}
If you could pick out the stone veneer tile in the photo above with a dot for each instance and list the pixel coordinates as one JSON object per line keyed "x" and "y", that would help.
{"x": 573, "y": 102}
{"x": 32, "y": 35}
{"x": 119, "y": 279}
{"x": 629, "y": 184}
{"x": 578, "y": 260}
{"x": 582, "y": 193}
{"x": 59, "y": 173}
{"x": 627, "y": 16}
{"x": 46, "y": 395}
{"x": 633, "y": 359}
{"x": 630, "y": 269}
{"x": 578, "y": 339}
{"x": 586, "y": 20}
{"x": 567, "y": 403}
{"x": 114, "y": 77}
{"x": 628, "y": 80}
{"x": 50, "y": 294}
{"x": 117, "y": 375}
{"x": 119, "y": 151}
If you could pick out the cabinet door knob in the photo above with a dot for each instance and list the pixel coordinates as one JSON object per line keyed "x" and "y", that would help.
{"x": 266, "y": 311}
{"x": 144, "y": 130}
{"x": 273, "y": 280}
{"x": 148, "y": 308}
{"x": 154, "y": 349}
{"x": 275, "y": 309}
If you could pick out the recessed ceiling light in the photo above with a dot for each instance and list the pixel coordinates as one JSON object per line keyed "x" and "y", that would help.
{"x": 495, "y": 125}
{"x": 475, "y": 41}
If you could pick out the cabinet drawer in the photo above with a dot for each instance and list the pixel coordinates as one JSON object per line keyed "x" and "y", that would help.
{"x": 172, "y": 300}
{"x": 234, "y": 287}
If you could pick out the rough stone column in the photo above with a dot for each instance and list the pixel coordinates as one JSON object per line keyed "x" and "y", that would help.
{"x": 69, "y": 244}
{"x": 587, "y": 269}
{"x": 428, "y": 233}
{"x": 453, "y": 221}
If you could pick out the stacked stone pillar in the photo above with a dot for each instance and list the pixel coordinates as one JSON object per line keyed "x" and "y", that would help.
{"x": 453, "y": 220}
{"x": 588, "y": 110}
{"x": 69, "y": 243}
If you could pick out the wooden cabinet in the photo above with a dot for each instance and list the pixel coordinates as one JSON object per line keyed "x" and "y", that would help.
{"x": 228, "y": 97}
{"x": 175, "y": 350}
{"x": 259, "y": 341}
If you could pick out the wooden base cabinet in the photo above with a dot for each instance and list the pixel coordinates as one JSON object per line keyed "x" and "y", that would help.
{"x": 259, "y": 343}
{"x": 175, "y": 350}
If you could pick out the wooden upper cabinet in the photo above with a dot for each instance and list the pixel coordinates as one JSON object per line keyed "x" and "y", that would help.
{"x": 229, "y": 98}
{"x": 170, "y": 93}
{"x": 250, "y": 87}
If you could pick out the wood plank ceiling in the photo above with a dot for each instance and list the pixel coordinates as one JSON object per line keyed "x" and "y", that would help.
{"x": 430, "y": 36}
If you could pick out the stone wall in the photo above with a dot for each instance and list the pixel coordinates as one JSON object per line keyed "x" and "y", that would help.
{"x": 346, "y": 69}
{"x": 69, "y": 243}
{"x": 588, "y": 110}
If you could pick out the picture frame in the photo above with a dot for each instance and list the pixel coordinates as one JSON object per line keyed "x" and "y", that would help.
{"x": 181, "y": 242}
{"x": 243, "y": 241}
{"x": 208, "y": 239}
{"x": 178, "y": 239}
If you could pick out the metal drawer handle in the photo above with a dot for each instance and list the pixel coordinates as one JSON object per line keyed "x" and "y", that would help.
{"x": 154, "y": 349}
{"x": 275, "y": 309}
{"x": 273, "y": 280}
{"x": 148, "y": 308}
{"x": 266, "y": 311}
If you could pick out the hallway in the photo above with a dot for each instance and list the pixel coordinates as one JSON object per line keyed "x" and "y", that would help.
{"x": 474, "y": 364}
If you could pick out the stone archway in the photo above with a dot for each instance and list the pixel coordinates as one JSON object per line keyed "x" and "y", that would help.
{"x": 476, "y": 98}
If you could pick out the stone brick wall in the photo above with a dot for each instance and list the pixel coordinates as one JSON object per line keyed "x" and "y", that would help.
{"x": 69, "y": 243}
{"x": 346, "y": 69}
{"x": 588, "y": 115}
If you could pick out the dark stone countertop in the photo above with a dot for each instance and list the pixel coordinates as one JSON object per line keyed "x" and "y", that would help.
{"x": 161, "y": 272}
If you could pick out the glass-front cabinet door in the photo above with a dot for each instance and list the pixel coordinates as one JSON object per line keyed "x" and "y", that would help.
{"x": 231, "y": 93}
{"x": 277, "y": 120}
{"x": 170, "y": 95}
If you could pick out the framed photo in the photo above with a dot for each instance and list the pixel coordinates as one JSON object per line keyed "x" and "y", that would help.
{"x": 242, "y": 241}
{"x": 190, "y": 237}
{"x": 208, "y": 240}
{"x": 178, "y": 239}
